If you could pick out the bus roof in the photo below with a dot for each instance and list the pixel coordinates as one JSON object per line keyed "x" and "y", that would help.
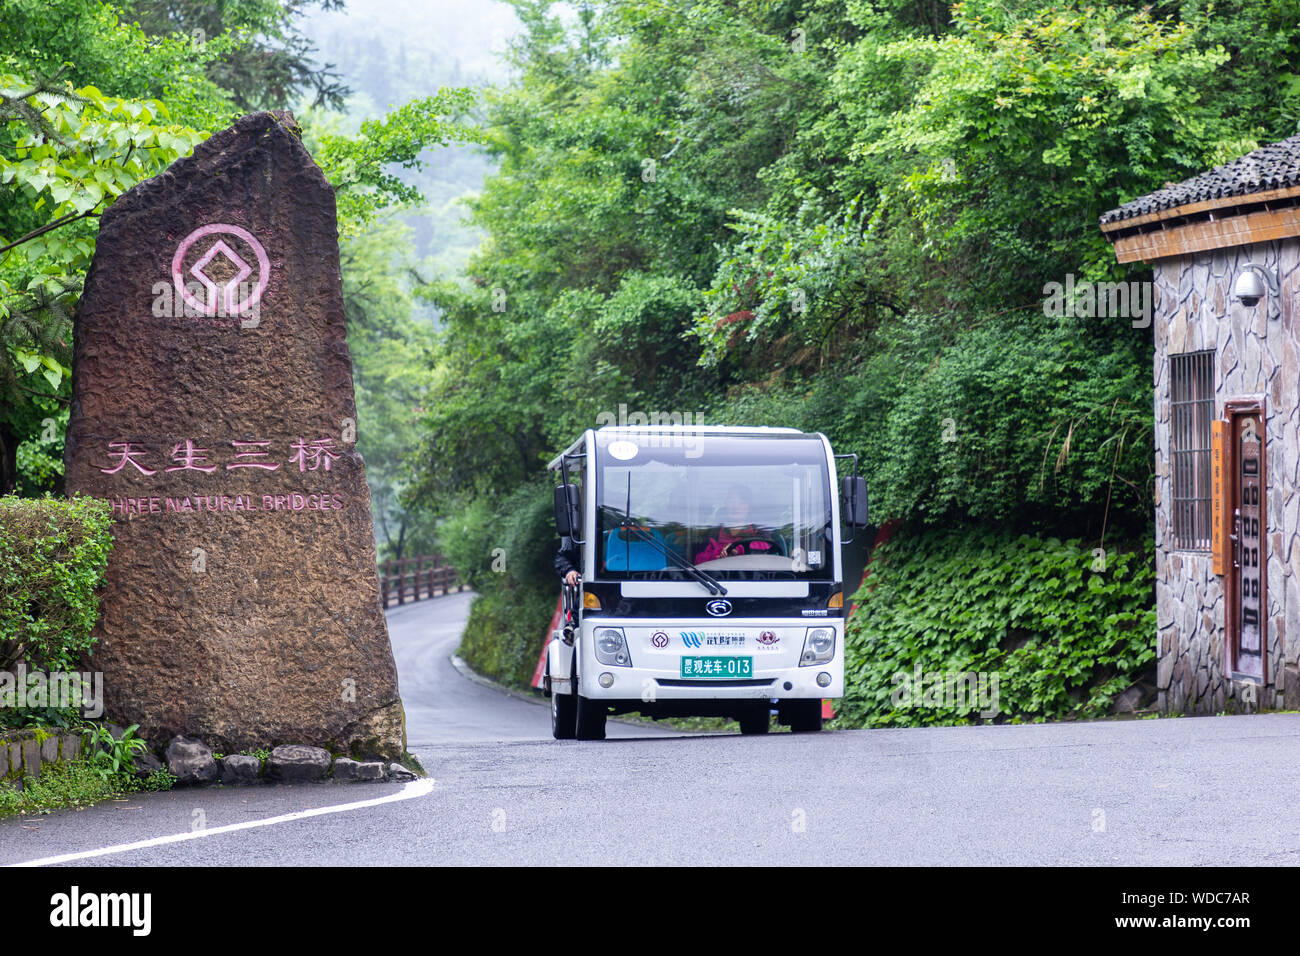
{"x": 750, "y": 431}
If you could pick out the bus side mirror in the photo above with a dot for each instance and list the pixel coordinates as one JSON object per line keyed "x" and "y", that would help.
{"x": 853, "y": 501}
{"x": 567, "y": 520}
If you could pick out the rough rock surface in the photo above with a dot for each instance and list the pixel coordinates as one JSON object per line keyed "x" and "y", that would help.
{"x": 294, "y": 763}
{"x": 189, "y": 761}
{"x": 240, "y": 769}
{"x": 217, "y": 416}
{"x": 353, "y": 770}
{"x": 397, "y": 772}
{"x": 143, "y": 764}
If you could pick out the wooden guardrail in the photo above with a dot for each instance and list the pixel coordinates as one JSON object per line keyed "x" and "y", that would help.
{"x": 410, "y": 579}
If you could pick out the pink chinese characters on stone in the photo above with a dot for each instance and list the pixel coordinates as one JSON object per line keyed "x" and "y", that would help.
{"x": 310, "y": 457}
{"x": 240, "y": 453}
{"x": 126, "y": 457}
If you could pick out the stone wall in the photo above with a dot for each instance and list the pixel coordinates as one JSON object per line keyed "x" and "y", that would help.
{"x": 1255, "y": 357}
{"x": 24, "y": 752}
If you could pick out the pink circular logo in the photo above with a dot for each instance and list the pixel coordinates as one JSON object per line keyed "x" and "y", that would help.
{"x": 234, "y": 296}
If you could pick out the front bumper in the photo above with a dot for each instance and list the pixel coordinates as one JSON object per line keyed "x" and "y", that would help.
{"x": 657, "y": 649}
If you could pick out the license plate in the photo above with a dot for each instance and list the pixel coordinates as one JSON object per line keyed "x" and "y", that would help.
{"x": 717, "y": 667}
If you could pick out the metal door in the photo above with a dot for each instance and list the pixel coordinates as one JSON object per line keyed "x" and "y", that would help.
{"x": 1246, "y": 609}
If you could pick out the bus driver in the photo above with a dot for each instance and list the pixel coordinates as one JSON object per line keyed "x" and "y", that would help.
{"x": 734, "y": 537}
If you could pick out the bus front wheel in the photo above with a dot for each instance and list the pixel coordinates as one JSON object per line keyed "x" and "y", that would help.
{"x": 803, "y": 716}
{"x": 563, "y": 715}
{"x": 590, "y": 723}
{"x": 755, "y": 721}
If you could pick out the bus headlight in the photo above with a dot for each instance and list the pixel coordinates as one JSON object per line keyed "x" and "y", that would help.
{"x": 611, "y": 647}
{"x": 818, "y": 646}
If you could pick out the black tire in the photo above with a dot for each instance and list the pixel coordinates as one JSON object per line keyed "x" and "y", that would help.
{"x": 755, "y": 721}
{"x": 564, "y": 715}
{"x": 590, "y": 723}
{"x": 805, "y": 716}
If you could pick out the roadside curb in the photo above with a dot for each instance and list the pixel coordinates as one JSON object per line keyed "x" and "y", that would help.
{"x": 466, "y": 671}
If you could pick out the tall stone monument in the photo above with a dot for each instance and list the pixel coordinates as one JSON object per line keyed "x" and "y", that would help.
{"x": 213, "y": 408}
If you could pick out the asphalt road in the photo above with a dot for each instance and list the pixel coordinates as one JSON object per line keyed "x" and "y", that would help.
{"x": 442, "y": 705}
{"x": 1188, "y": 791}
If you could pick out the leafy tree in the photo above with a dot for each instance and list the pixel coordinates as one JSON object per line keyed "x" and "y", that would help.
{"x": 69, "y": 154}
{"x": 391, "y": 354}
{"x": 270, "y": 67}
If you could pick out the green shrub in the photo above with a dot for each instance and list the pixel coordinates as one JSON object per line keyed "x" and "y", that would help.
{"x": 110, "y": 756}
{"x": 154, "y": 781}
{"x": 506, "y": 631}
{"x": 504, "y": 542}
{"x": 505, "y": 550}
{"x": 1018, "y": 422}
{"x": 52, "y": 559}
{"x": 72, "y": 783}
{"x": 1063, "y": 635}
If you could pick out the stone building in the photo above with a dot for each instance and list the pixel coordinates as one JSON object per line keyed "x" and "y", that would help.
{"x": 1224, "y": 248}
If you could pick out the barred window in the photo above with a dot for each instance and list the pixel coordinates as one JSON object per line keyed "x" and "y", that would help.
{"x": 1191, "y": 410}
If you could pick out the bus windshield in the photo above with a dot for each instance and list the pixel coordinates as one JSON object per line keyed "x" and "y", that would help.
{"x": 736, "y": 507}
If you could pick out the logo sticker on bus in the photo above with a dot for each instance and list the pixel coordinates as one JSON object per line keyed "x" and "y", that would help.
{"x": 659, "y": 639}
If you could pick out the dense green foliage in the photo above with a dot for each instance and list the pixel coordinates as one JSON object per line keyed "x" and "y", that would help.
{"x": 506, "y": 632}
{"x": 493, "y": 546}
{"x": 52, "y": 559}
{"x": 491, "y": 540}
{"x": 841, "y": 215}
{"x": 391, "y": 354}
{"x": 271, "y": 63}
{"x": 691, "y": 207}
{"x": 1065, "y": 627}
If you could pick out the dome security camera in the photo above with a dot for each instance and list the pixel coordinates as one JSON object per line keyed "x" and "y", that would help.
{"x": 1249, "y": 288}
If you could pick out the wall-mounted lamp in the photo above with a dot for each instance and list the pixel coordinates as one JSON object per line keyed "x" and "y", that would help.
{"x": 1254, "y": 283}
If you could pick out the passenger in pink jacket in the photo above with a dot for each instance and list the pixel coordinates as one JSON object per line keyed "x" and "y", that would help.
{"x": 723, "y": 544}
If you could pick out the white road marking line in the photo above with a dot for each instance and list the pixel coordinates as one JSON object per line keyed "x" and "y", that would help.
{"x": 416, "y": 788}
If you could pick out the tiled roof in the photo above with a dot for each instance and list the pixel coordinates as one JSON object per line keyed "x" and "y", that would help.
{"x": 1270, "y": 167}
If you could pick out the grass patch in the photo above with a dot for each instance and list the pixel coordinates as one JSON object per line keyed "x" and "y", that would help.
{"x": 60, "y": 785}
{"x": 74, "y": 784}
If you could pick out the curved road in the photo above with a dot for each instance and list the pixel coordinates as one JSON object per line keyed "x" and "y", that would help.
{"x": 1141, "y": 792}
{"x": 442, "y": 705}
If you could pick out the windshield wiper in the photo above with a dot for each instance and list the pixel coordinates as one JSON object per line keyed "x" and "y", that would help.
{"x": 714, "y": 586}
{"x": 710, "y": 582}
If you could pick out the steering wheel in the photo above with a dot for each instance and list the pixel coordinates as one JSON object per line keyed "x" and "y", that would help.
{"x": 777, "y": 546}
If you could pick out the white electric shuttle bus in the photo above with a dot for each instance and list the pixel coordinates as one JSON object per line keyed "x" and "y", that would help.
{"x": 712, "y": 581}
